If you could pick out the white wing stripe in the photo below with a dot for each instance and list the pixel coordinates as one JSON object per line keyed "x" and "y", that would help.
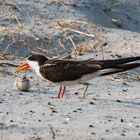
{"x": 48, "y": 65}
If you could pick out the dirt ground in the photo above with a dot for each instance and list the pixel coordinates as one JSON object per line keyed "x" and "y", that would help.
{"x": 62, "y": 28}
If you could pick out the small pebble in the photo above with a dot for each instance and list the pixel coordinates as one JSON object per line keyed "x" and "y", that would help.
{"x": 76, "y": 93}
{"x": 122, "y": 120}
{"x": 105, "y": 43}
{"x": 118, "y": 101}
{"x": 93, "y": 133}
{"x": 124, "y": 90}
{"x": 54, "y": 111}
{"x": 122, "y": 134}
{"x": 94, "y": 98}
{"x": 125, "y": 83}
{"x": 92, "y": 103}
{"x": 50, "y": 104}
{"x": 91, "y": 125}
{"x": 65, "y": 122}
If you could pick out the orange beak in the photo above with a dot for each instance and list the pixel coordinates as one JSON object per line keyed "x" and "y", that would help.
{"x": 22, "y": 67}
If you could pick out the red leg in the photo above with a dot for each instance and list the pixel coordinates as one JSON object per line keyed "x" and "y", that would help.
{"x": 60, "y": 90}
{"x": 63, "y": 91}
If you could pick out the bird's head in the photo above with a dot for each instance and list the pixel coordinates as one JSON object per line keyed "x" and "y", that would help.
{"x": 33, "y": 61}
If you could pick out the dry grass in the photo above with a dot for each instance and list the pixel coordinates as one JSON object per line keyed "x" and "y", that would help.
{"x": 68, "y": 29}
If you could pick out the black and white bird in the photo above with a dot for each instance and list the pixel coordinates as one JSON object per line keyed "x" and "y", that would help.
{"x": 70, "y": 72}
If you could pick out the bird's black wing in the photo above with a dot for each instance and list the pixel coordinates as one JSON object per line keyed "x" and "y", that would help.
{"x": 61, "y": 70}
{"x": 106, "y": 64}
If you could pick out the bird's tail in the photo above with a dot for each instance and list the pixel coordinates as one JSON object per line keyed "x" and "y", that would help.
{"x": 120, "y": 68}
{"x": 106, "y": 64}
{"x": 117, "y": 65}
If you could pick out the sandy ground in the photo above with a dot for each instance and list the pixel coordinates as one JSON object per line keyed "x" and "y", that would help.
{"x": 110, "y": 110}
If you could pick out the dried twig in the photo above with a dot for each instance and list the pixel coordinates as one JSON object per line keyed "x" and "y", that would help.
{"x": 69, "y": 28}
{"x": 52, "y": 131}
{"x": 82, "y": 33}
{"x": 17, "y": 20}
{"x": 5, "y": 49}
{"x": 12, "y": 4}
{"x": 73, "y": 46}
{"x": 92, "y": 46}
{"x": 67, "y": 56}
{"x": 72, "y": 42}
{"x": 9, "y": 64}
{"x": 68, "y": 3}
{"x": 50, "y": 107}
{"x": 102, "y": 51}
{"x": 69, "y": 23}
{"x": 31, "y": 113}
{"x": 62, "y": 45}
